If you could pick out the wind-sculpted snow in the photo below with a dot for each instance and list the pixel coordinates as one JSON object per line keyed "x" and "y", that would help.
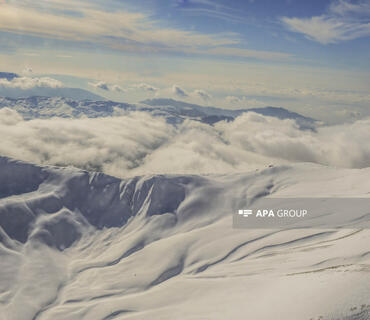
{"x": 100, "y": 200}
{"x": 82, "y": 245}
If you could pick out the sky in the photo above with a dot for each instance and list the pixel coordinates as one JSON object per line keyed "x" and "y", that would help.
{"x": 307, "y": 56}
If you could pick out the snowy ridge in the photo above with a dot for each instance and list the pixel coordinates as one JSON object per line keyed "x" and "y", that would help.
{"x": 37, "y": 107}
{"x": 80, "y": 245}
{"x": 173, "y": 111}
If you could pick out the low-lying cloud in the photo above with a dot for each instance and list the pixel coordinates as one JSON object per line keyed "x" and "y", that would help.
{"x": 26, "y": 83}
{"x": 145, "y": 87}
{"x": 107, "y": 87}
{"x": 117, "y": 88}
{"x": 137, "y": 143}
{"x": 100, "y": 85}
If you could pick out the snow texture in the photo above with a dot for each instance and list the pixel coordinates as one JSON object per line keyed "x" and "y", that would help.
{"x": 84, "y": 245}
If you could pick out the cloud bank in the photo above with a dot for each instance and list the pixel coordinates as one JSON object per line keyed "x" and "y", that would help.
{"x": 138, "y": 143}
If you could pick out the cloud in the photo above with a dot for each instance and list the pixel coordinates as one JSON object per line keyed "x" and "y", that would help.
{"x": 233, "y": 99}
{"x": 137, "y": 143}
{"x": 9, "y": 117}
{"x": 130, "y": 32}
{"x": 343, "y": 21}
{"x": 212, "y": 9}
{"x": 177, "y": 91}
{"x": 107, "y": 87}
{"x": 340, "y": 145}
{"x": 30, "y": 83}
{"x": 202, "y": 94}
{"x": 244, "y": 102}
{"x": 145, "y": 87}
{"x": 27, "y": 71}
{"x": 345, "y": 8}
{"x": 100, "y": 85}
{"x": 95, "y": 23}
{"x": 246, "y": 53}
{"x": 117, "y": 88}
{"x": 114, "y": 145}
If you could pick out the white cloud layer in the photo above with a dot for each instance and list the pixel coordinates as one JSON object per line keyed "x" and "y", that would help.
{"x": 30, "y": 83}
{"x": 137, "y": 144}
{"x": 344, "y": 21}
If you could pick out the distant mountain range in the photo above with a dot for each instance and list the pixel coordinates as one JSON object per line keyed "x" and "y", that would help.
{"x": 65, "y": 92}
{"x": 47, "y": 107}
{"x": 212, "y": 114}
{"x": 75, "y": 93}
{"x": 173, "y": 111}
{"x": 46, "y": 102}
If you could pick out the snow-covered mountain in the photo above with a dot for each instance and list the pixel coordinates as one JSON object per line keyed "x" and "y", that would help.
{"x": 81, "y": 245}
{"x": 76, "y": 244}
{"x": 38, "y": 107}
{"x": 174, "y": 111}
{"x": 27, "y": 87}
{"x": 197, "y": 110}
{"x": 212, "y": 114}
{"x": 74, "y": 93}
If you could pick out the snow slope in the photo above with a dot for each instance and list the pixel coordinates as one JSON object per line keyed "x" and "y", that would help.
{"x": 81, "y": 245}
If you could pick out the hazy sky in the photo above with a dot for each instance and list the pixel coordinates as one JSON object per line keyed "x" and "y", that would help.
{"x": 309, "y": 56}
